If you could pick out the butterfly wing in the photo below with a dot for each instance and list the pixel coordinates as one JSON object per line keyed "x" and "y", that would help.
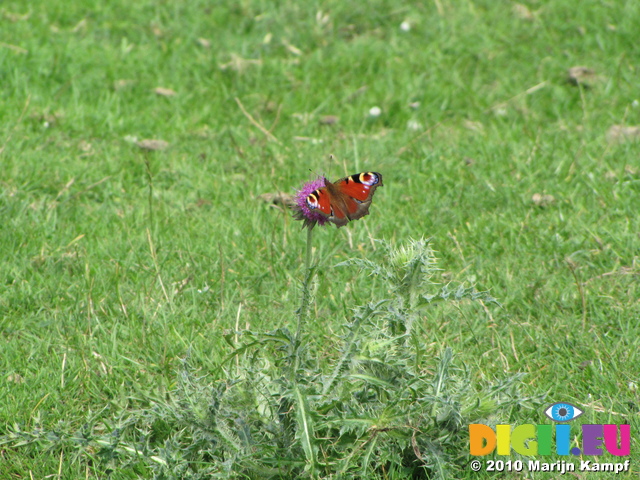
{"x": 320, "y": 200}
{"x": 347, "y": 199}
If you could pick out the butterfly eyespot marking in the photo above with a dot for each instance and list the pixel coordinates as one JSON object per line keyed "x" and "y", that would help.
{"x": 368, "y": 178}
{"x": 312, "y": 201}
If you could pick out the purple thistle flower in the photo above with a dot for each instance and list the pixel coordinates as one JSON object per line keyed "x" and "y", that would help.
{"x": 301, "y": 207}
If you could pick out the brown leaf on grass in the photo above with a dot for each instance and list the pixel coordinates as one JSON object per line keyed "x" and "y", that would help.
{"x": 81, "y": 26}
{"x": 580, "y": 75}
{"x": 123, "y": 83}
{"x": 474, "y": 126}
{"x": 278, "y": 198}
{"x": 271, "y": 107}
{"x": 540, "y": 200}
{"x": 239, "y": 64}
{"x": 15, "y": 17}
{"x": 84, "y": 146}
{"x": 292, "y": 48}
{"x": 621, "y": 133}
{"x": 152, "y": 144}
{"x": 522, "y": 11}
{"x": 204, "y": 43}
{"x": 15, "y": 378}
{"x": 329, "y": 120}
{"x": 164, "y": 92}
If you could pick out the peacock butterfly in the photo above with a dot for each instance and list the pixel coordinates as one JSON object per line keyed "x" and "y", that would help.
{"x": 346, "y": 199}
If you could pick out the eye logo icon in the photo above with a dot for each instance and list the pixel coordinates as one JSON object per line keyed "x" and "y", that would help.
{"x": 563, "y": 412}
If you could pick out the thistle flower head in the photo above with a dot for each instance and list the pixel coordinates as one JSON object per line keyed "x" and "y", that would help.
{"x": 301, "y": 207}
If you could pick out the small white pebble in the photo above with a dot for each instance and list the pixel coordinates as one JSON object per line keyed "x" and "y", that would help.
{"x": 405, "y": 26}
{"x": 414, "y": 125}
{"x": 375, "y": 112}
{"x": 500, "y": 112}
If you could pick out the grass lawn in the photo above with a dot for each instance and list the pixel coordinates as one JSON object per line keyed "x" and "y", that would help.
{"x": 120, "y": 260}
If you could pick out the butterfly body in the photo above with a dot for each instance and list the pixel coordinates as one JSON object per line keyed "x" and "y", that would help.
{"x": 346, "y": 199}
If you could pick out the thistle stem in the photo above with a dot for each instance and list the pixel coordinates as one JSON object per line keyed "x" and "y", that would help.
{"x": 308, "y": 275}
{"x": 307, "y": 262}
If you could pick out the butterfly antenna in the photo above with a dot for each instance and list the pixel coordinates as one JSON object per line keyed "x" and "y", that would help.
{"x": 317, "y": 174}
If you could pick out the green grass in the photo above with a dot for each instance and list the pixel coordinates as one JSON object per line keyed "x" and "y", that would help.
{"x": 106, "y": 288}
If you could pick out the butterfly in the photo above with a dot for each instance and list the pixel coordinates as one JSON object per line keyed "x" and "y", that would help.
{"x": 345, "y": 199}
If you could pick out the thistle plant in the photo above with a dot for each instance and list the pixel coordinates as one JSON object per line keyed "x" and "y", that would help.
{"x": 381, "y": 406}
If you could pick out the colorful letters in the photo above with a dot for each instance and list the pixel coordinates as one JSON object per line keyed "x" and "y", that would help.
{"x": 532, "y": 440}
